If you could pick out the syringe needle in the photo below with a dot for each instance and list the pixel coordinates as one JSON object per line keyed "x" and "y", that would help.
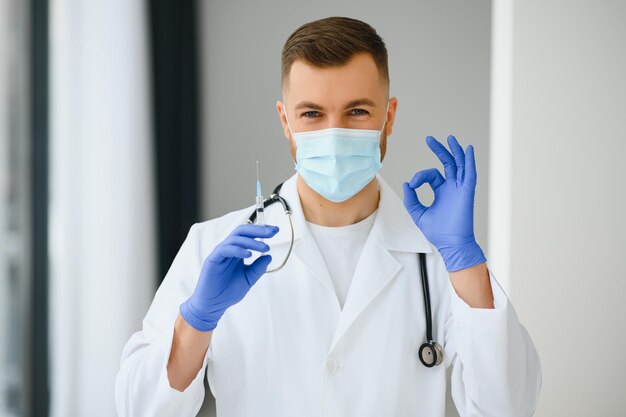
{"x": 260, "y": 215}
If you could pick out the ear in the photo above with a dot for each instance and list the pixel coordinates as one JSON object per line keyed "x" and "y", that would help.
{"x": 391, "y": 115}
{"x": 283, "y": 119}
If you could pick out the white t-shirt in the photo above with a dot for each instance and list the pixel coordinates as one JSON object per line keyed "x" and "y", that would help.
{"x": 341, "y": 248}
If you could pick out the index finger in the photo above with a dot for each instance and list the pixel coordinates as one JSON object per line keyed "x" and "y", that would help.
{"x": 444, "y": 156}
{"x": 255, "y": 230}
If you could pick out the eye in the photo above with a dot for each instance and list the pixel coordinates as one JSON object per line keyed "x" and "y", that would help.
{"x": 311, "y": 114}
{"x": 358, "y": 112}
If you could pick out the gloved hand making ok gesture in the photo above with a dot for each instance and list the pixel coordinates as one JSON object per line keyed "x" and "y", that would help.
{"x": 224, "y": 279}
{"x": 448, "y": 223}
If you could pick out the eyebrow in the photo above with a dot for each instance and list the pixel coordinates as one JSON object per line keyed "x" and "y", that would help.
{"x": 360, "y": 102}
{"x": 308, "y": 105}
{"x": 353, "y": 103}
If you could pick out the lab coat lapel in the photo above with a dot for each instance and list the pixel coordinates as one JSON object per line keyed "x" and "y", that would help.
{"x": 375, "y": 269}
{"x": 393, "y": 230}
{"x": 307, "y": 251}
{"x": 305, "y": 247}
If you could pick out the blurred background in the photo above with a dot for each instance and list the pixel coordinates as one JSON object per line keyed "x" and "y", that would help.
{"x": 123, "y": 122}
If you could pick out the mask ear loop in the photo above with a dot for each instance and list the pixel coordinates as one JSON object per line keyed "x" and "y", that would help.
{"x": 287, "y": 118}
{"x": 295, "y": 164}
{"x": 385, "y": 122}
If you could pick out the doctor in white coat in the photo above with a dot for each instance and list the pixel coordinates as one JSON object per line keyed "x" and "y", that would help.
{"x": 337, "y": 330}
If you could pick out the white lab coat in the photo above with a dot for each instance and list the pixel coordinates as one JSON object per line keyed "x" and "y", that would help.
{"x": 287, "y": 349}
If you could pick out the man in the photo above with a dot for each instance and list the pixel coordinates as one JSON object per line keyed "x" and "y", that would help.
{"x": 337, "y": 331}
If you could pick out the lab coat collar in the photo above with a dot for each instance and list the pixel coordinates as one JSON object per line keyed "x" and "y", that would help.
{"x": 393, "y": 225}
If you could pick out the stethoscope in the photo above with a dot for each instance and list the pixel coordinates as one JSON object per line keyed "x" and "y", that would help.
{"x": 431, "y": 352}
{"x": 276, "y": 198}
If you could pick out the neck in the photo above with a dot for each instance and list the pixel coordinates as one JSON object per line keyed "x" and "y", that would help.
{"x": 320, "y": 211}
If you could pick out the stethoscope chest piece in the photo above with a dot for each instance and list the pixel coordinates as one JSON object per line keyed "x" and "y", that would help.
{"x": 431, "y": 354}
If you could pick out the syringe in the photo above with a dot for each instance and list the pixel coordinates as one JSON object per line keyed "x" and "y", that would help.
{"x": 260, "y": 216}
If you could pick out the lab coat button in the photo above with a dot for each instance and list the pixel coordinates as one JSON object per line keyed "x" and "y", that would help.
{"x": 331, "y": 366}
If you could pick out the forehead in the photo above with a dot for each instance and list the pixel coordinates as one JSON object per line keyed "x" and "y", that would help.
{"x": 358, "y": 78}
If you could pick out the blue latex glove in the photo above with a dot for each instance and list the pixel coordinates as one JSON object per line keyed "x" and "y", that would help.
{"x": 225, "y": 279}
{"x": 448, "y": 223}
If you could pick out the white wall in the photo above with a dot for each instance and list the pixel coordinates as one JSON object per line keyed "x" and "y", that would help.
{"x": 568, "y": 196}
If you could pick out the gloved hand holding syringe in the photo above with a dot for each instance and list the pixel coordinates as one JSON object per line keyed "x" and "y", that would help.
{"x": 225, "y": 279}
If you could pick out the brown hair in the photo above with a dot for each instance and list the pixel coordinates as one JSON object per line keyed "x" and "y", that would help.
{"x": 332, "y": 41}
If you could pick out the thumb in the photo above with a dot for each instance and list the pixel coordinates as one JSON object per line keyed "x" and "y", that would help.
{"x": 256, "y": 269}
{"x": 412, "y": 203}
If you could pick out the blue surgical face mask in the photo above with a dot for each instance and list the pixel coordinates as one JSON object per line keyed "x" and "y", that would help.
{"x": 336, "y": 162}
